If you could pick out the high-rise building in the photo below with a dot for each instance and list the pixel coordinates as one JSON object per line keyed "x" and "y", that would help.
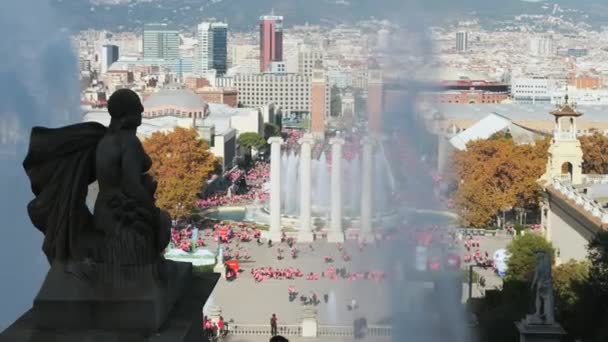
{"x": 462, "y": 41}
{"x": 318, "y": 100}
{"x": 160, "y": 41}
{"x": 204, "y": 50}
{"x": 107, "y": 56}
{"x": 271, "y": 41}
{"x": 384, "y": 39}
{"x": 375, "y": 99}
{"x": 307, "y": 60}
{"x": 211, "y": 51}
{"x": 220, "y": 47}
{"x": 542, "y": 45}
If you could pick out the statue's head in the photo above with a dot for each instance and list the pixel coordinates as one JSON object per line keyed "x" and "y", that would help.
{"x": 125, "y": 108}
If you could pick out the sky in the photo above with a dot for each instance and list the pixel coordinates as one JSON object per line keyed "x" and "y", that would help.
{"x": 38, "y": 86}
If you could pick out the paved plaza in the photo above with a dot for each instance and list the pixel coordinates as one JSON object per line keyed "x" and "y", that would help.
{"x": 250, "y": 303}
{"x": 246, "y": 301}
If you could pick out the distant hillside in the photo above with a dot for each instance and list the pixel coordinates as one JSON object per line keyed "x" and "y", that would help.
{"x": 242, "y": 14}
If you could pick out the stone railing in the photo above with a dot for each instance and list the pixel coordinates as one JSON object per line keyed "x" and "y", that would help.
{"x": 565, "y": 178}
{"x": 264, "y": 329}
{"x": 591, "y": 206}
{"x": 296, "y": 330}
{"x": 347, "y": 331}
{"x": 565, "y": 136}
{"x": 595, "y": 179}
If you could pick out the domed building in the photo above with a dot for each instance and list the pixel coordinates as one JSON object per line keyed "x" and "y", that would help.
{"x": 175, "y": 102}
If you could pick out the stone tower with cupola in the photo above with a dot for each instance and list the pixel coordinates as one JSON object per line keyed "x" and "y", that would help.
{"x": 565, "y": 159}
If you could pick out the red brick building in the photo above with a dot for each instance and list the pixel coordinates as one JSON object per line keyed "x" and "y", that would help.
{"x": 227, "y": 96}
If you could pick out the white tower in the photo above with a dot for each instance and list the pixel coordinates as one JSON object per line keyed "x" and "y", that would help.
{"x": 565, "y": 159}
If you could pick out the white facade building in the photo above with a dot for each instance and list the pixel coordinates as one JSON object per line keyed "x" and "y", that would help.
{"x": 542, "y": 45}
{"x": 203, "y": 55}
{"x": 535, "y": 89}
{"x": 462, "y": 41}
{"x": 108, "y": 55}
{"x": 290, "y": 92}
{"x": 307, "y": 60}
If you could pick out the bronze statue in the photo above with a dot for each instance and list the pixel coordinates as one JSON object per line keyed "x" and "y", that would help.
{"x": 544, "y": 289}
{"x": 126, "y": 227}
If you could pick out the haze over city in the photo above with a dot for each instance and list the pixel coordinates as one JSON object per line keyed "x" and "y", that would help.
{"x": 337, "y": 170}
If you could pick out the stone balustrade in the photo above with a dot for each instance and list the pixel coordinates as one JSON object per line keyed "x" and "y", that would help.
{"x": 346, "y": 331}
{"x": 264, "y": 329}
{"x": 588, "y": 204}
{"x": 595, "y": 179}
{"x": 296, "y": 330}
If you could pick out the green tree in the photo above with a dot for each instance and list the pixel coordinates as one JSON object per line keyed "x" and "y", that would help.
{"x": 251, "y": 140}
{"x": 566, "y": 278}
{"x": 569, "y": 282}
{"x": 335, "y": 101}
{"x": 271, "y": 130}
{"x": 522, "y": 260}
{"x": 181, "y": 162}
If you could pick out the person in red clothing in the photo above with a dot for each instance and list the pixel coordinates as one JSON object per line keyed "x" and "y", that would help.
{"x": 220, "y": 326}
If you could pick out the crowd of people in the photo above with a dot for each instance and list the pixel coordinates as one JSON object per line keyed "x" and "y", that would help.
{"x": 185, "y": 240}
{"x": 474, "y": 255}
{"x": 255, "y": 177}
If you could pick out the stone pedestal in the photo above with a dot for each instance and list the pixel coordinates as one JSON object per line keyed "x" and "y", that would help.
{"x": 365, "y": 231}
{"x": 91, "y": 303}
{"x": 335, "y": 234}
{"x": 310, "y": 325}
{"x": 532, "y": 329}
{"x": 274, "y": 233}
{"x": 305, "y": 234}
{"x": 219, "y": 263}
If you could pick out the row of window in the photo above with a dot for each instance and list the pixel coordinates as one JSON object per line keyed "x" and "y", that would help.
{"x": 173, "y": 112}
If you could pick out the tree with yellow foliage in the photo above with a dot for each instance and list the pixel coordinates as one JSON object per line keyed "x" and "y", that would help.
{"x": 595, "y": 153}
{"x": 495, "y": 174}
{"x": 181, "y": 162}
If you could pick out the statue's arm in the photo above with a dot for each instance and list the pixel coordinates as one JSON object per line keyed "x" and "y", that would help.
{"x": 132, "y": 171}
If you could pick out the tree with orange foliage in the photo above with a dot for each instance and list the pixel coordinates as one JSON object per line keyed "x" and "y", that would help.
{"x": 181, "y": 162}
{"x": 595, "y": 153}
{"x": 495, "y": 174}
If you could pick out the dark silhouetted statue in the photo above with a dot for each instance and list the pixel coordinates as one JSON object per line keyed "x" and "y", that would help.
{"x": 126, "y": 227}
{"x": 108, "y": 278}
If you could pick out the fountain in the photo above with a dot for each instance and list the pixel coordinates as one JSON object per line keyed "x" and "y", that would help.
{"x": 320, "y": 187}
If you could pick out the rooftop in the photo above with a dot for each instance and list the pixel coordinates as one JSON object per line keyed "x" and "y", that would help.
{"x": 175, "y": 98}
{"x": 514, "y": 111}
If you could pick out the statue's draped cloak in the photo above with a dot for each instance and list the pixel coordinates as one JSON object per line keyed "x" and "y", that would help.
{"x": 60, "y": 164}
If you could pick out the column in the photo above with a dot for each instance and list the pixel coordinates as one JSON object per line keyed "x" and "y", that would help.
{"x": 274, "y": 233}
{"x": 365, "y": 226}
{"x": 335, "y": 233}
{"x": 305, "y": 234}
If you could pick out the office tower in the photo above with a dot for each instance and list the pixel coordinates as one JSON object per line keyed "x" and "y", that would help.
{"x": 107, "y": 56}
{"x": 220, "y": 47}
{"x": 271, "y": 41}
{"x": 204, "y": 50}
{"x": 160, "y": 41}
{"x": 462, "y": 41}
{"x": 211, "y": 52}
{"x": 319, "y": 100}
{"x": 542, "y": 45}
{"x": 375, "y": 99}
{"x": 307, "y": 60}
{"x": 384, "y": 39}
